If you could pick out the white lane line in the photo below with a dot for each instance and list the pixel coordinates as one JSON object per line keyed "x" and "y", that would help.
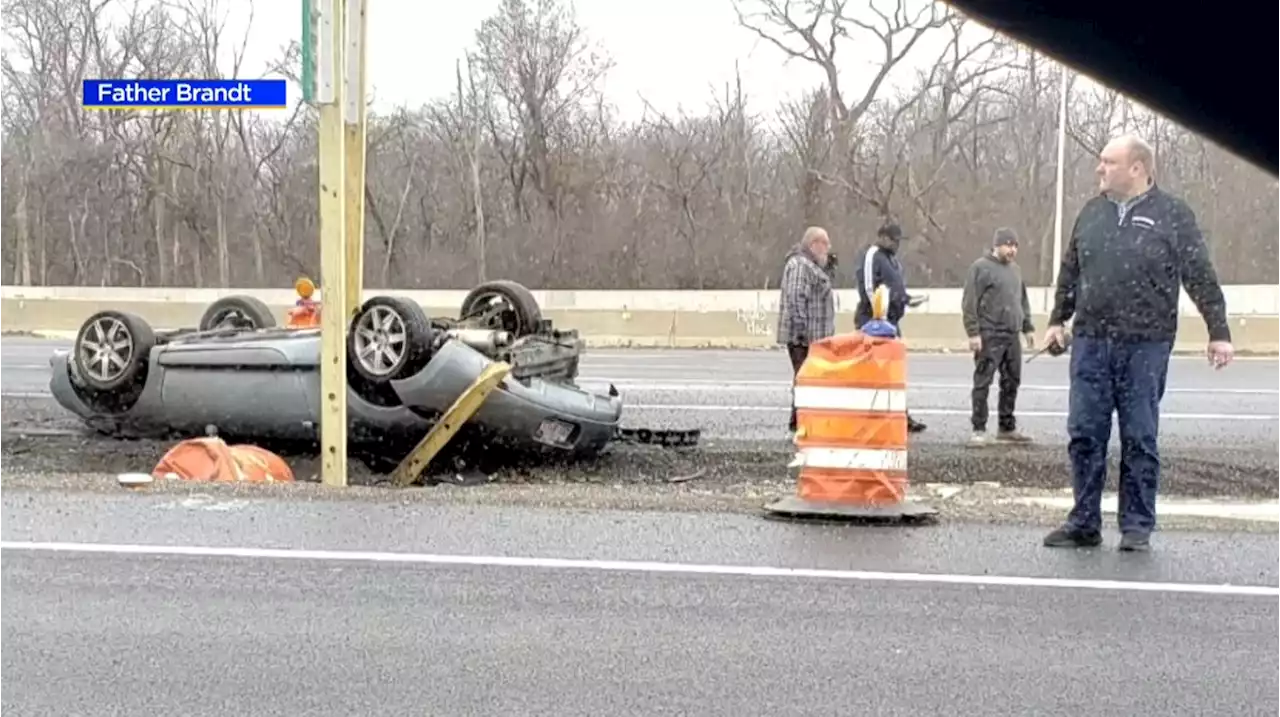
{"x": 703, "y": 407}
{"x": 690, "y": 384}
{"x": 1203, "y": 390}
{"x": 771, "y": 385}
{"x": 719, "y": 385}
{"x": 696, "y": 356}
{"x": 645, "y": 567}
{"x": 949, "y": 412}
{"x": 737, "y": 387}
{"x": 626, "y": 355}
{"x": 593, "y": 355}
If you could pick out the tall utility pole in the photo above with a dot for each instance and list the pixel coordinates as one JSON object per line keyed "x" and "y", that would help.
{"x": 354, "y": 115}
{"x": 326, "y": 83}
{"x": 1061, "y": 188}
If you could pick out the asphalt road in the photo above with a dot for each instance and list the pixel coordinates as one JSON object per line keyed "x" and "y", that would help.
{"x": 1219, "y": 429}
{"x": 745, "y": 394}
{"x": 448, "y": 631}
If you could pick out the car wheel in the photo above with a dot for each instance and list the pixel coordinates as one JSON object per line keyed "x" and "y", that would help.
{"x": 113, "y": 351}
{"x": 390, "y": 339}
{"x": 237, "y": 312}
{"x": 503, "y": 305}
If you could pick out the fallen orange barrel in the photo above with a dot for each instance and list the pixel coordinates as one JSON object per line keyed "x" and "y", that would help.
{"x": 851, "y": 431}
{"x": 212, "y": 460}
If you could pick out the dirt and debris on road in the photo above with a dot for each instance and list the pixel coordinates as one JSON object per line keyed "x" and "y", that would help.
{"x": 1240, "y": 475}
{"x": 966, "y": 485}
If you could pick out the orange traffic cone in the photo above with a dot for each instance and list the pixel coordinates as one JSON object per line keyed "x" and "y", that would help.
{"x": 851, "y": 435}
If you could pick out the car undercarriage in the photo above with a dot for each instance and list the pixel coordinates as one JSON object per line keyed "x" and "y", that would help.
{"x": 239, "y": 376}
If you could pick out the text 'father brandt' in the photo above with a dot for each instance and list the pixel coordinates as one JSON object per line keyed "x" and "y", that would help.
{"x": 181, "y": 93}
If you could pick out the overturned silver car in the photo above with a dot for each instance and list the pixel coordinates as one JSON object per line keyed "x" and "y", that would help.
{"x": 249, "y": 382}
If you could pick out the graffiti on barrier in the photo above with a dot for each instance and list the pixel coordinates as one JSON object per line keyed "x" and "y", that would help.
{"x": 759, "y": 320}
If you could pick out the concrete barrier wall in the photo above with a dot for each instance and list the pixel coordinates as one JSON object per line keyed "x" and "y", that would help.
{"x": 726, "y": 319}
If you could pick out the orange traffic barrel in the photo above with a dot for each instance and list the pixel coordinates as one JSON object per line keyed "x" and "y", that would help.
{"x": 305, "y": 315}
{"x": 306, "y": 311}
{"x": 851, "y": 431}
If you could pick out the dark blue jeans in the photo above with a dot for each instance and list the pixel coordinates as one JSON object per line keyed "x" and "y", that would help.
{"x": 1127, "y": 378}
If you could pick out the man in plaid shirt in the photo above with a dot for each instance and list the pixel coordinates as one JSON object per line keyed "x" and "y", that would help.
{"x": 806, "y": 309}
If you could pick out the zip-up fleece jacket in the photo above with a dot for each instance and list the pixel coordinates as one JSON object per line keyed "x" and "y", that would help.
{"x": 1124, "y": 264}
{"x": 995, "y": 299}
{"x": 880, "y": 266}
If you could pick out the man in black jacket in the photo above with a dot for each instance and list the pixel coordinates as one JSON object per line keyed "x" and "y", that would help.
{"x": 1130, "y": 249}
{"x": 880, "y": 265}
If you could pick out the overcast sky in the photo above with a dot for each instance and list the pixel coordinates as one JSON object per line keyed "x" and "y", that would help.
{"x": 671, "y": 52}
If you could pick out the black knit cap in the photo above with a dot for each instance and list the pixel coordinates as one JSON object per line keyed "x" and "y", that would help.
{"x": 891, "y": 230}
{"x": 1005, "y": 237}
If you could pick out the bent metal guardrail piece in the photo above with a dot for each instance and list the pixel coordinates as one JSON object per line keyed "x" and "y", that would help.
{"x": 463, "y": 408}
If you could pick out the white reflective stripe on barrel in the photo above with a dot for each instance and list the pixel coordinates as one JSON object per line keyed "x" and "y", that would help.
{"x": 851, "y": 399}
{"x": 853, "y": 459}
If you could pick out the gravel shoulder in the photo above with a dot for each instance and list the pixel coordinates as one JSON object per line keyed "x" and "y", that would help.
{"x": 1244, "y": 475}
{"x": 965, "y": 485}
{"x": 1241, "y": 473}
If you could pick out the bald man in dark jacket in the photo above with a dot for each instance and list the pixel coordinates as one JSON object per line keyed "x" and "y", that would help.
{"x": 1133, "y": 247}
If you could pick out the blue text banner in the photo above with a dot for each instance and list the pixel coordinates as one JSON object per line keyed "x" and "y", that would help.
{"x": 184, "y": 94}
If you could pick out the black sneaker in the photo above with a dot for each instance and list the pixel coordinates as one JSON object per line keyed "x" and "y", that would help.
{"x": 1135, "y": 542}
{"x": 1012, "y": 435}
{"x": 914, "y": 426}
{"x": 1072, "y": 537}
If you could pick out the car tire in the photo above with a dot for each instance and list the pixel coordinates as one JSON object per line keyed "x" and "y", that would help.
{"x": 523, "y": 315}
{"x": 251, "y": 312}
{"x": 112, "y": 351}
{"x": 379, "y": 321}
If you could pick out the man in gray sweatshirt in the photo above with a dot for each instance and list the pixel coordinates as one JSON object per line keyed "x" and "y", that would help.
{"x": 996, "y": 310}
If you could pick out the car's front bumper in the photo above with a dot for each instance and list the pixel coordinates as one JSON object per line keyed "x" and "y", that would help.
{"x": 559, "y": 415}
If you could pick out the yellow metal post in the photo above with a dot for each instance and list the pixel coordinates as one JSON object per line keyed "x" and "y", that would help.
{"x": 354, "y": 134}
{"x": 333, "y": 255}
{"x": 463, "y": 408}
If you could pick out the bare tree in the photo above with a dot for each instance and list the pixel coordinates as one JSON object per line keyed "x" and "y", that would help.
{"x": 524, "y": 171}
